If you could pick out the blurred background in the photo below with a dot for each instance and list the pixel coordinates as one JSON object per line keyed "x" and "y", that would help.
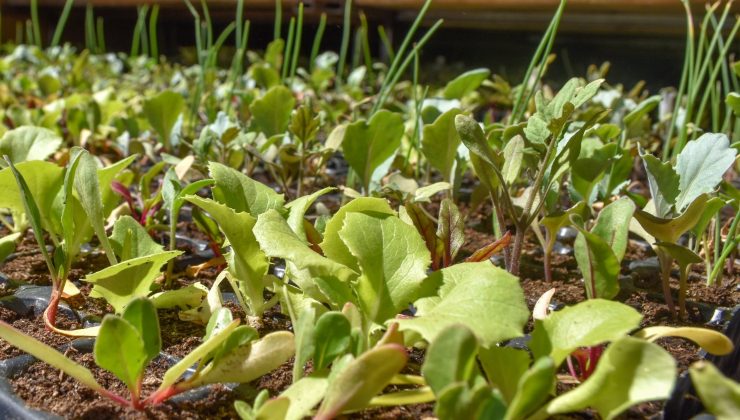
{"x": 642, "y": 39}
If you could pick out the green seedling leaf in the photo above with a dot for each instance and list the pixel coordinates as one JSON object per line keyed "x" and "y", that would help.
{"x": 304, "y": 395}
{"x": 332, "y": 337}
{"x": 88, "y": 188}
{"x": 142, "y": 315}
{"x": 669, "y": 230}
{"x": 241, "y": 193}
{"x": 600, "y": 251}
{"x": 393, "y": 260}
{"x": 319, "y": 277}
{"x": 249, "y": 361}
{"x": 465, "y": 83}
{"x": 44, "y": 181}
{"x": 49, "y": 355}
{"x": 271, "y": 112}
{"x": 218, "y": 321}
{"x": 367, "y": 144}
{"x": 355, "y": 385}
{"x": 332, "y": 245}
{"x": 643, "y": 108}
{"x": 119, "y": 284}
{"x": 513, "y": 159}
{"x": 34, "y": 216}
{"x": 182, "y": 298}
{"x": 29, "y": 143}
{"x": 202, "y": 351}
{"x": 304, "y": 125}
{"x": 504, "y": 366}
{"x": 120, "y": 349}
{"x": 415, "y": 215}
{"x": 440, "y": 142}
{"x": 451, "y": 358}
{"x": 130, "y": 240}
{"x": 247, "y": 263}
{"x": 469, "y": 294}
{"x": 459, "y": 401}
{"x": 733, "y": 101}
{"x": 298, "y": 209}
{"x": 587, "y": 324}
{"x": 719, "y": 394}
{"x": 711, "y": 208}
{"x": 162, "y": 112}
{"x": 7, "y": 245}
{"x": 450, "y": 230}
{"x": 629, "y": 372}
{"x": 712, "y": 341}
{"x": 534, "y": 388}
{"x": 701, "y": 165}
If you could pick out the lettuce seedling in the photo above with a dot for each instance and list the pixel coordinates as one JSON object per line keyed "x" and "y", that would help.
{"x": 680, "y": 195}
{"x": 126, "y": 344}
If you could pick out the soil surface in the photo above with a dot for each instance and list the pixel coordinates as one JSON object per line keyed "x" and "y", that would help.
{"x": 44, "y": 388}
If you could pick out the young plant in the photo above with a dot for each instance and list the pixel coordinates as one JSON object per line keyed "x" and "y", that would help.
{"x": 126, "y": 344}
{"x": 554, "y": 140}
{"x": 78, "y": 216}
{"x": 680, "y": 195}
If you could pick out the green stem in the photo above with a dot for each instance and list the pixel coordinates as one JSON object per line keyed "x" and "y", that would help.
{"x": 61, "y": 23}
{"x": 153, "y": 41}
{"x": 36, "y": 25}
{"x": 346, "y": 28}
{"x": 317, "y": 41}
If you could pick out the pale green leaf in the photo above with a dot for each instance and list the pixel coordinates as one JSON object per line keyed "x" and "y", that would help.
{"x": 484, "y": 298}
{"x": 701, "y": 165}
{"x": 271, "y": 112}
{"x": 130, "y": 240}
{"x": 162, "y": 112}
{"x": 119, "y": 348}
{"x": 119, "y": 284}
{"x": 242, "y": 193}
{"x": 629, "y": 372}
{"x": 393, "y": 260}
{"x": 451, "y": 357}
{"x": 440, "y": 142}
{"x": 465, "y": 83}
{"x": 29, "y": 143}
{"x": 719, "y": 394}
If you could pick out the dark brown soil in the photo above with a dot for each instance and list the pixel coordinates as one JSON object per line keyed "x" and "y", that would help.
{"x": 35, "y": 328}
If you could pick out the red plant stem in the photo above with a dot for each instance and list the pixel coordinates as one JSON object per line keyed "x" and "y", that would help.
{"x": 50, "y": 313}
{"x": 115, "y": 398}
{"x": 165, "y": 394}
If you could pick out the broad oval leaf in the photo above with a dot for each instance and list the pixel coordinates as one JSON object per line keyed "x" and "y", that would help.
{"x": 271, "y": 112}
{"x": 367, "y": 144}
{"x": 719, "y": 394}
{"x": 451, "y": 358}
{"x": 162, "y": 112}
{"x": 120, "y": 349}
{"x": 486, "y": 299}
{"x": 440, "y": 142}
{"x": 142, "y": 315}
{"x": 629, "y": 372}
{"x": 242, "y": 193}
{"x": 701, "y": 165}
{"x": 586, "y": 324}
{"x": 465, "y": 83}
{"x": 332, "y": 337}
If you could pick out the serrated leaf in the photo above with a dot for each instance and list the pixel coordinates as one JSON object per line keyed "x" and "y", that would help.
{"x": 451, "y": 357}
{"x": 701, "y": 165}
{"x": 120, "y": 349}
{"x": 719, "y": 394}
{"x": 393, "y": 260}
{"x": 162, "y": 112}
{"x": 367, "y": 144}
{"x": 465, "y": 83}
{"x": 298, "y": 209}
{"x": 271, "y": 112}
{"x": 486, "y": 299}
{"x": 357, "y": 383}
{"x": 629, "y": 372}
{"x": 130, "y": 240}
{"x": 247, "y": 263}
{"x": 119, "y": 284}
{"x": 332, "y": 245}
{"x": 440, "y": 142}
{"x": 587, "y": 324}
{"x": 241, "y": 193}
{"x": 29, "y": 143}
{"x": 317, "y": 276}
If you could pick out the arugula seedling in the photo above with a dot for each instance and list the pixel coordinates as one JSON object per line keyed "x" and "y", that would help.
{"x": 553, "y": 145}
{"x": 126, "y": 344}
